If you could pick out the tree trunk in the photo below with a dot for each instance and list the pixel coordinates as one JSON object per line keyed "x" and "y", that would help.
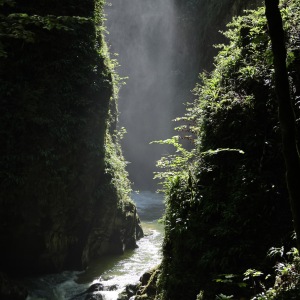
{"x": 286, "y": 111}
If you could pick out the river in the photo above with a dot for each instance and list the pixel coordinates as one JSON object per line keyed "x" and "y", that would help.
{"x": 113, "y": 272}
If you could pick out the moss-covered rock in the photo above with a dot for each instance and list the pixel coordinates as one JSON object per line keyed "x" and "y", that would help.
{"x": 64, "y": 196}
{"x": 227, "y": 201}
{"x": 147, "y": 289}
{"x": 116, "y": 231}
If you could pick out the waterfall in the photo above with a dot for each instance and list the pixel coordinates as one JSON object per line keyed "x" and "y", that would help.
{"x": 142, "y": 32}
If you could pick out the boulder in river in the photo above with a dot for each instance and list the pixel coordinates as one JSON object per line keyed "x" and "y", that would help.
{"x": 147, "y": 288}
{"x": 117, "y": 231}
{"x": 129, "y": 291}
{"x": 95, "y": 287}
{"x": 96, "y": 296}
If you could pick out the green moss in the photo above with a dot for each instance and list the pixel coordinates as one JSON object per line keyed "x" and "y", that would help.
{"x": 61, "y": 162}
{"x": 222, "y": 210}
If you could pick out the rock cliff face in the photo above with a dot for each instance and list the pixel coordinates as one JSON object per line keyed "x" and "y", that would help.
{"x": 64, "y": 196}
{"x": 200, "y": 22}
{"x": 116, "y": 231}
{"x": 219, "y": 203}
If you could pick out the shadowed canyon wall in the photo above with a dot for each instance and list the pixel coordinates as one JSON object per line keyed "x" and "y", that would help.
{"x": 60, "y": 205}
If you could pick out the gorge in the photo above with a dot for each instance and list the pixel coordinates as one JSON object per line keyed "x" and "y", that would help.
{"x": 68, "y": 168}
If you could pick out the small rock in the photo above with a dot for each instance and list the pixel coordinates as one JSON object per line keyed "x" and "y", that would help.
{"x": 94, "y": 297}
{"x": 96, "y": 287}
{"x": 145, "y": 277}
{"x": 111, "y": 288}
{"x": 131, "y": 290}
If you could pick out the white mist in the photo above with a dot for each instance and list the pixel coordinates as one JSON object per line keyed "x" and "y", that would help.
{"x": 142, "y": 32}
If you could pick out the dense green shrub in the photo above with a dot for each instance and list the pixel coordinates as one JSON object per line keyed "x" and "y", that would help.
{"x": 287, "y": 276}
{"x": 229, "y": 204}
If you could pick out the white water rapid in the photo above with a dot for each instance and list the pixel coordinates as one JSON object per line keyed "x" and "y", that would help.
{"x": 113, "y": 273}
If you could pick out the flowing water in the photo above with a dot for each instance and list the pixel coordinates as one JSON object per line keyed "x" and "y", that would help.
{"x": 114, "y": 273}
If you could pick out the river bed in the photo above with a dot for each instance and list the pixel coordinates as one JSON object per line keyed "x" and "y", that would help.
{"x": 113, "y": 272}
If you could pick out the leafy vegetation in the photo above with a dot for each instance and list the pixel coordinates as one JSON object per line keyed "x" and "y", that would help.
{"x": 287, "y": 275}
{"x": 229, "y": 204}
{"x": 62, "y": 169}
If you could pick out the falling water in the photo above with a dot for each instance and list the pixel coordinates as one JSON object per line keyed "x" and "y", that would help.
{"x": 142, "y": 33}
